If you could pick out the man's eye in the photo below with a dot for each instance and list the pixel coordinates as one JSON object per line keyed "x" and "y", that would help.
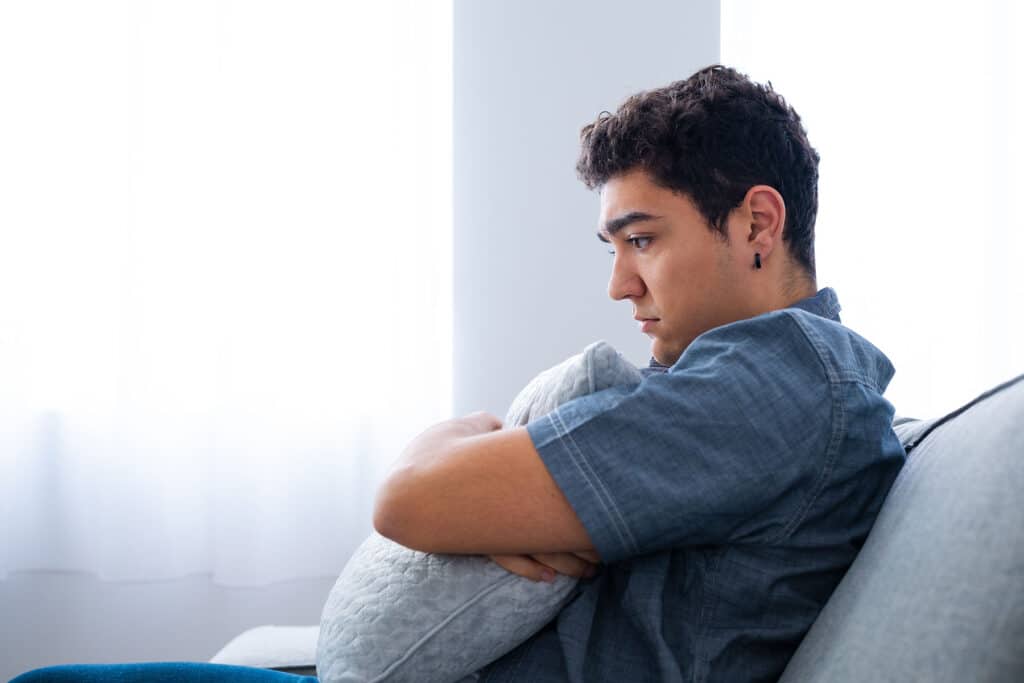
{"x": 636, "y": 241}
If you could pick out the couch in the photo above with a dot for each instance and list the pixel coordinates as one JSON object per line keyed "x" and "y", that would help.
{"x": 935, "y": 594}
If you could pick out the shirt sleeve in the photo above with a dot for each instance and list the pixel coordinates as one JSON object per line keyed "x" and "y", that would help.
{"x": 729, "y": 445}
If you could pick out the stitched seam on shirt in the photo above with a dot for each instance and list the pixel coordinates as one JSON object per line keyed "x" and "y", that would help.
{"x": 836, "y": 374}
{"x": 831, "y": 455}
{"x": 838, "y": 429}
{"x": 817, "y": 344}
{"x": 594, "y": 481}
{"x": 709, "y": 601}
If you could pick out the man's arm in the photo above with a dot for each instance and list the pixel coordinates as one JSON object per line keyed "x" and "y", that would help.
{"x": 467, "y": 486}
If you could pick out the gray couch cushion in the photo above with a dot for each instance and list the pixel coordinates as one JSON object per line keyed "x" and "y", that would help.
{"x": 937, "y": 592}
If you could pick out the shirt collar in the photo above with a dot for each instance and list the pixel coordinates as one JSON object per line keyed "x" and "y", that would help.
{"x": 824, "y": 304}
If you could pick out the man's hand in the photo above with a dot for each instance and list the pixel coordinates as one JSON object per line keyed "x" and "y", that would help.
{"x": 474, "y": 424}
{"x": 544, "y": 566}
{"x": 479, "y": 422}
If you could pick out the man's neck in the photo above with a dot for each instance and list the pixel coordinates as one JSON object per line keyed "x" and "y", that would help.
{"x": 796, "y": 289}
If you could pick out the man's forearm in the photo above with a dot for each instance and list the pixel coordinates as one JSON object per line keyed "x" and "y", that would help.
{"x": 467, "y": 486}
{"x": 427, "y": 450}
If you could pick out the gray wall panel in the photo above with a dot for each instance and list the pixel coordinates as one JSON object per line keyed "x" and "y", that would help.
{"x": 530, "y": 280}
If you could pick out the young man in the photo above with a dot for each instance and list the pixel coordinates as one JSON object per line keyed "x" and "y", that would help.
{"x": 728, "y": 493}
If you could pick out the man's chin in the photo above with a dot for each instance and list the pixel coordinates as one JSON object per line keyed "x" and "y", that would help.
{"x": 663, "y": 355}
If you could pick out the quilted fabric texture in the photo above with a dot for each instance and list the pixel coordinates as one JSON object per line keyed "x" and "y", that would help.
{"x": 397, "y": 614}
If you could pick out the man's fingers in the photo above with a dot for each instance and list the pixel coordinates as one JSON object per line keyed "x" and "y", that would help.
{"x": 483, "y": 421}
{"x": 544, "y": 566}
{"x": 569, "y": 564}
{"x": 588, "y": 555}
{"x": 524, "y": 565}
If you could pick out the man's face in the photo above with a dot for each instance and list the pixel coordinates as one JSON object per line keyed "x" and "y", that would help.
{"x": 681, "y": 278}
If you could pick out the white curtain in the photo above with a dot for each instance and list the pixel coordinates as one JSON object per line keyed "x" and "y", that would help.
{"x": 916, "y": 110}
{"x": 224, "y": 278}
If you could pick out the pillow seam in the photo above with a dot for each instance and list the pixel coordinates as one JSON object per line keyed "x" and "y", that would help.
{"x": 484, "y": 592}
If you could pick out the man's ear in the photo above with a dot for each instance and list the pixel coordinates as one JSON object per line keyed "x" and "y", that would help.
{"x": 766, "y": 210}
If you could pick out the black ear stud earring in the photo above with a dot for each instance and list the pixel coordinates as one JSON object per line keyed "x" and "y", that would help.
{"x": 757, "y": 261}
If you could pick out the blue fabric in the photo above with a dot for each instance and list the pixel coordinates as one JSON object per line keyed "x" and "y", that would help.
{"x": 727, "y": 494}
{"x": 159, "y": 672}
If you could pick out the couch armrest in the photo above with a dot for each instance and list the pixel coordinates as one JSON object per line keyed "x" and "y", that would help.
{"x": 284, "y": 648}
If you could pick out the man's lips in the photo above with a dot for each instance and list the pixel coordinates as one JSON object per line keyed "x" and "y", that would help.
{"x": 646, "y": 323}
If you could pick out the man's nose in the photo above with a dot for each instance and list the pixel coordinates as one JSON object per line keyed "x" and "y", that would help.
{"x": 624, "y": 282}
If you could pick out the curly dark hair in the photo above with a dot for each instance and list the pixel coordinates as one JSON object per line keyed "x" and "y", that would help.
{"x": 712, "y": 137}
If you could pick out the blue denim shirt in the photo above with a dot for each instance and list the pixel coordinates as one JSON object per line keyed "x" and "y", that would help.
{"x": 727, "y": 496}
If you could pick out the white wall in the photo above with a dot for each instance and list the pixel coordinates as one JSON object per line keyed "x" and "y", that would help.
{"x": 530, "y": 281}
{"x": 919, "y": 228}
{"x": 49, "y": 618}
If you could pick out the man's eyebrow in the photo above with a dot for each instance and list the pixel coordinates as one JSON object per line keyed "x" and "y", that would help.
{"x": 616, "y": 224}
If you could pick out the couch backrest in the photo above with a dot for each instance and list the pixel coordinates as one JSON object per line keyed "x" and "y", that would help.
{"x": 937, "y": 592}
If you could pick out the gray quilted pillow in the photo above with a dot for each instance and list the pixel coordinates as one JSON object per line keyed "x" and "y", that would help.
{"x": 397, "y": 614}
